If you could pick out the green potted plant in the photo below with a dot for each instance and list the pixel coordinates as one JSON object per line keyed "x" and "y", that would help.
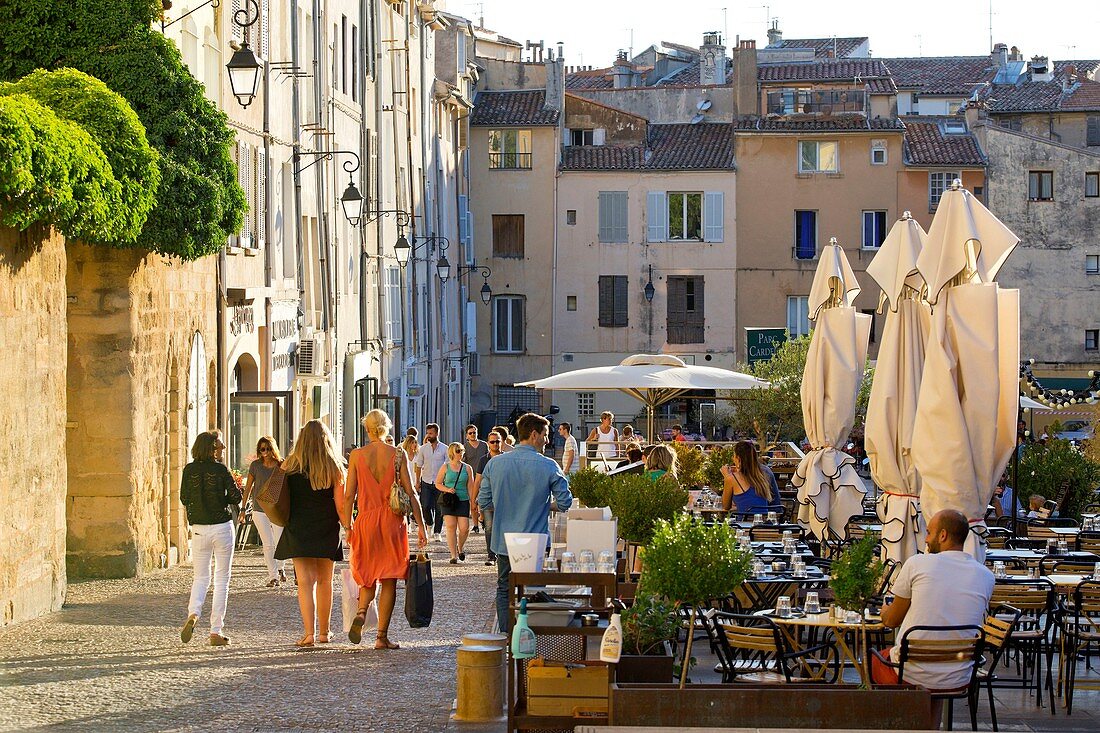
{"x": 857, "y": 573}
{"x": 712, "y": 469}
{"x": 689, "y": 563}
{"x": 590, "y": 486}
{"x": 649, "y": 626}
{"x": 1059, "y": 471}
{"x": 689, "y": 463}
{"x": 639, "y": 502}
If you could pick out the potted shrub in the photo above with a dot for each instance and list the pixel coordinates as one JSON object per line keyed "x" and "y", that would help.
{"x": 638, "y": 502}
{"x": 856, "y": 574}
{"x": 712, "y": 469}
{"x": 689, "y": 463}
{"x": 648, "y": 628}
{"x": 1059, "y": 471}
{"x": 689, "y": 563}
{"x": 590, "y": 486}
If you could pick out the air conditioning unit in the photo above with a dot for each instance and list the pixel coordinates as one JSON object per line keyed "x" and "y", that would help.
{"x": 311, "y": 358}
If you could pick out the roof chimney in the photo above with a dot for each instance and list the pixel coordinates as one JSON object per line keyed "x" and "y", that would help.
{"x": 775, "y": 36}
{"x": 622, "y": 72}
{"x": 712, "y": 59}
{"x": 1014, "y": 54}
{"x": 1069, "y": 77}
{"x": 555, "y": 79}
{"x": 1000, "y": 56}
{"x": 1039, "y": 69}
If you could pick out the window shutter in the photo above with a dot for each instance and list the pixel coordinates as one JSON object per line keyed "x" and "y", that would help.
{"x": 713, "y": 206}
{"x": 606, "y": 233}
{"x": 462, "y": 218}
{"x": 620, "y": 228}
{"x": 566, "y": 137}
{"x": 471, "y": 325}
{"x": 235, "y": 31}
{"x": 675, "y": 309}
{"x": 470, "y": 236}
{"x": 1092, "y": 135}
{"x": 607, "y": 300}
{"x": 261, "y": 198}
{"x": 620, "y": 314}
{"x": 598, "y": 136}
{"x": 265, "y": 13}
{"x": 697, "y": 319}
{"x": 656, "y": 216}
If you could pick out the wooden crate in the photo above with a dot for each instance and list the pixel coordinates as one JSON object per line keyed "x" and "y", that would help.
{"x": 560, "y": 689}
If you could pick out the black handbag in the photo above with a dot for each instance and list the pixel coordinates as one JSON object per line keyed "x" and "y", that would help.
{"x": 448, "y": 499}
{"x": 419, "y": 596}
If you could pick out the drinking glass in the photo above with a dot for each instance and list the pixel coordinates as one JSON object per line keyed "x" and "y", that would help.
{"x": 773, "y": 518}
{"x": 813, "y": 603}
{"x": 783, "y": 606}
{"x": 758, "y": 568}
{"x": 757, "y": 518}
{"x": 999, "y": 569}
{"x": 568, "y": 562}
{"x": 550, "y": 564}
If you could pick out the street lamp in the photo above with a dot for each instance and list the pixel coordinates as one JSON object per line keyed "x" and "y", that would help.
{"x": 351, "y": 200}
{"x": 649, "y": 290}
{"x": 402, "y": 250}
{"x": 485, "y": 272}
{"x": 442, "y": 266}
{"x": 244, "y": 67}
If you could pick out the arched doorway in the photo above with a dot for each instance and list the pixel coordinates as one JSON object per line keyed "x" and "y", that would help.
{"x": 198, "y": 392}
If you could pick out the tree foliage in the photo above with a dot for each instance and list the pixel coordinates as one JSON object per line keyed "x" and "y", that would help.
{"x": 1057, "y": 469}
{"x": 591, "y": 487}
{"x": 198, "y": 201}
{"x": 689, "y": 463}
{"x": 856, "y": 574}
{"x": 639, "y": 503}
{"x": 689, "y": 562}
{"x": 125, "y": 194}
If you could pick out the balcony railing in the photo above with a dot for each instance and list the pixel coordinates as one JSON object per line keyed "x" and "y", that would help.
{"x": 824, "y": 102}
{"x": 510, "y": 161}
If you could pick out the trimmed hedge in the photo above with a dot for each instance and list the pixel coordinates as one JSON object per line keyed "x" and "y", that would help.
{"x": 83, "y": 100}
{"x": 198, "y": 200}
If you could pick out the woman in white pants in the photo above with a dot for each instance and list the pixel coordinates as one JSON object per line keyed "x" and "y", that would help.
{"x": 258, "y": 474}
{"x": 207, "y": 491}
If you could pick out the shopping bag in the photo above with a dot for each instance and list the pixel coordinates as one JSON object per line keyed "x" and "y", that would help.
{"x": 419, "y": 597}
{"x": 349, "y": 602}
{"x": 274, "y": 498}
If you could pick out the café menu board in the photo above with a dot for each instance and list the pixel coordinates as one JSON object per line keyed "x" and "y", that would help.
{"x": 762, "y": 343}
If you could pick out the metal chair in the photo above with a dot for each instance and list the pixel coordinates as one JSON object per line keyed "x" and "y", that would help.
{"x": 1088, "y": 541}
{"x": 753, "y": 649}
{"x": 996, "y": 633}
{"x": 1079, "y": 623}
{"x": 1036, "y": 601}
{"x": 774, "y": 532}
{"x": 997, "y": 537}
{"x": 1075, "y": 565}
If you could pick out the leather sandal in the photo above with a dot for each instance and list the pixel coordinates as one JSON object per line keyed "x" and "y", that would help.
{"x": 304, "y": 642}
{"x": 355, "y": 633}
{"x": 383, "y": 642}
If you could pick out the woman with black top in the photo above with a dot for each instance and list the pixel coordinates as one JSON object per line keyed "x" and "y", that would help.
{"x": 207, "y": 491}
{"x": 311, "y": 537}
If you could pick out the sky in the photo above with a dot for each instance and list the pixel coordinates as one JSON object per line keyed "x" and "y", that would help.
{"x": 593, "y": 30}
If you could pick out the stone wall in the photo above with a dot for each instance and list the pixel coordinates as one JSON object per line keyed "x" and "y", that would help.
{"x": 32, "y": 461}
{"x": 1058, "y": 297}
{"x": 132, "y": 319}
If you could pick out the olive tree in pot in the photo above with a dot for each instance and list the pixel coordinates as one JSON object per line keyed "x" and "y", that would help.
{"x": 591, "y": 487}
{"x": 855, "y": 578}
{"x": 639, "y": 502}
{"x": 649, "y": 626}
{"x": 689, "y": 563}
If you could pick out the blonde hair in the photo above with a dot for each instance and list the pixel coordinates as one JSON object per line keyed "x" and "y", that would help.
{"x": 454, "y": 449}
{"x": 409, "y": 441}
{"x": 315, "y": 455}
{"x": 377, "y": 424}
{"x": 661, "y": 458}
{"x": 275, "y": 453}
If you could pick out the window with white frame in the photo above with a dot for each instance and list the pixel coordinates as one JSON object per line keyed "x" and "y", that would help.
{"x": 581, "y": 137}
{"x": 1092, "y": 264}
{"x": 1092, "y": 339}
{"x": 685, "y": 216}
{"x": 612, "y": 216}
{"x": 816, "y": 156}
{"x": 938, "y": 182}
{"x": 878, "y": 152}
{"x": 675, "y": 216}
{"x": 460, "y": 44}
{"x": 586, "y": 404}
{"x": 508, "y": 325}
{"x": 393, "y": 304}
{"x": 509, "y": 149}
{"x": 954, "y": 126}
{"x": 798, "y": 315}
{"x": 874, "y": 229}
{"x": 1092, "y": 185}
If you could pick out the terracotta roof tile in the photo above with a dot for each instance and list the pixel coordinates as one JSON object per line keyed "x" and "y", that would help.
{"x": 1085, "y": 98}
{"x": 595, "y": 79}
{"x": 941, "y": 74}
{"x": 839, "y": 70}
{"x": 823, "y": 47}
{"x": 689, "y": 76}
{"x": 513, "y": 108}
{"x": 1089, "y": 66}
{"x": 1027, "y": 96}
{"x": 670, "y": 147}
{"x": 882, "y": 86}
{"x": 926, "y": 144}
{"x": 812, "y": 123}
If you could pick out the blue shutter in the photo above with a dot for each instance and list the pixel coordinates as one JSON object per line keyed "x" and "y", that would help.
{"x": 805, "y": 235}
{"x": 606, "y": 233}
{"x": 656, "y": 216}
{"x": 713, "y": 216}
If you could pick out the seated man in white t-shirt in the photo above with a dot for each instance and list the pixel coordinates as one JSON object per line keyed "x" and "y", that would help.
{"x": 945, "y": 587}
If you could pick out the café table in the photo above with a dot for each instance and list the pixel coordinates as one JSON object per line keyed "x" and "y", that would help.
{"x": 762, "y": 592}
{"x": 855, "y": 653}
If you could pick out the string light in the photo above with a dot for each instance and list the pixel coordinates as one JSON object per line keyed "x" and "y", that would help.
{"x": 1058, "y": 399}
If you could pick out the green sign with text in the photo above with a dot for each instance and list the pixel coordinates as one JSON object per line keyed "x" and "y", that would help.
{"x": 763, "y": 342}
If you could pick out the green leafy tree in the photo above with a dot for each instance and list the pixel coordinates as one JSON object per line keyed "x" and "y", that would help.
{"x": 591, "y": 487}
{"x": 856, "y": 574}
{"x": 1058, "y": 470}
{"x": 111, "y": 123}
{"x": 198, "y": 201}
{"x": 648, "y": 624}
{"x": 639, "y": 503}
{"x": 712, "y": 470}
{"x": 689, "y": 463}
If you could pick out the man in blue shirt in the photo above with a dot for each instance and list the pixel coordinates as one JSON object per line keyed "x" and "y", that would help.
{"x": 518, "y": 486}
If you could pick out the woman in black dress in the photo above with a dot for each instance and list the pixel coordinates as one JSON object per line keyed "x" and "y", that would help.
{"x": 311, "y": 538}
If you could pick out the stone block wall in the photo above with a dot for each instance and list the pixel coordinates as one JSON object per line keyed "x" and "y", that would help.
{"x": 132, "y": 317}
{"x": 32, "y": 458}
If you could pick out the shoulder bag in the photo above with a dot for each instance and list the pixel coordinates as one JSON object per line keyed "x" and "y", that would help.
{"x": 274, "y": 498}
{"x": 446, "y": 499}
{"x": 400, "y": 503}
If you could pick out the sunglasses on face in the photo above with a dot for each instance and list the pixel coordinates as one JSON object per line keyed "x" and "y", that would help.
{"x": 494, "y": 442}
{"x": 265, "y": 449}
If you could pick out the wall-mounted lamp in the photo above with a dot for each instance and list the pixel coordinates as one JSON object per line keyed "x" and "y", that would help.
{"x": 649, "y": 290}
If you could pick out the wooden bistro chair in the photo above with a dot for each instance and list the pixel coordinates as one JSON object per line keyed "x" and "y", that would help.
{"x": 774, "y": 532}
{"x": 1036, "y": 600}
{"x": 940, "y": 650}
{"x": 1089, "y": 542}
{"x": 1079, "y": 623}
{"x": 752, "y": 648}
{"x": 996, "y": 633}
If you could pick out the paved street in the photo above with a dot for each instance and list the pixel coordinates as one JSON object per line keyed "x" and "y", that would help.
{"x": 112, "y": 659}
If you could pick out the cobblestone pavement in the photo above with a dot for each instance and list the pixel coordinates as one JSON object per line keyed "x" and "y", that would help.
{"x": 112, "y": 659}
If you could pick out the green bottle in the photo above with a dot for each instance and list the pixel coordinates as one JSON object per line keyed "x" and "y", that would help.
{"x": 523, "y": 639}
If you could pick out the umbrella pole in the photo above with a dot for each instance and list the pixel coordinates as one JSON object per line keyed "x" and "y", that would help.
{"x": 649, "y": 423}
{"x": 1015, "y": 485}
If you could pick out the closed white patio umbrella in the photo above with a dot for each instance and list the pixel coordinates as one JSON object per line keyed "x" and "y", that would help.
{"x": 892, "y": 407}
{"x": 965, "y": 428}
{"x": 653, "y": 379}
{"x": 829, "y": 489}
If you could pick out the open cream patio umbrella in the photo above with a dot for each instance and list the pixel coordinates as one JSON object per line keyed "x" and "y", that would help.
{"x": 829, "y": 490}
{"x": 654, "y": 379}
{"x": 892, "y": 407}
{"x": 965, "y": 429}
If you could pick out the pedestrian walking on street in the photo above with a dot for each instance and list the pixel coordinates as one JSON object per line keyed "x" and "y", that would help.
{"x": 475, "y": 449}
{"x": 453, "y": 482}
{"x": 379, "y": 539}
{"x": 507, "y": 442}
{"x": 259, "y": 472}
{"x": 495, "y": 441}
{"x": 429, "y": 458}
{"x": 410, "y": 446}
{"x": 207, "y": 492}
{"x": 518, "y": 487}
{"x": 311, "y": 538}
{"x": 570, "y": 461}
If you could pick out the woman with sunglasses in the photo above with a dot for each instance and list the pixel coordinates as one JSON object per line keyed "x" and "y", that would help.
{"x": 259, "y": 472}
{"x": 454, "y": 481}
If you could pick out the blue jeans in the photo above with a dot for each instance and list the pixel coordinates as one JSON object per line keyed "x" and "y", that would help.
{"x": 504, "y": 615}
{"x": 487, "y": 522}
{"x": 433, "y": 517}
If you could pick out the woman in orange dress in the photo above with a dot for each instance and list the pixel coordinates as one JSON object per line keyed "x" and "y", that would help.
{"x": 379, "y": 539}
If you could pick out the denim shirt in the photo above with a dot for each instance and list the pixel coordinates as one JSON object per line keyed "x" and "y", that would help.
{"x": 518, "y": 486}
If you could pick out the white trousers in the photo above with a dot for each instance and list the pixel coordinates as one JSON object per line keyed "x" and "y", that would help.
{"x": 211, "y": 542}
{"x": 269, "y": 538}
